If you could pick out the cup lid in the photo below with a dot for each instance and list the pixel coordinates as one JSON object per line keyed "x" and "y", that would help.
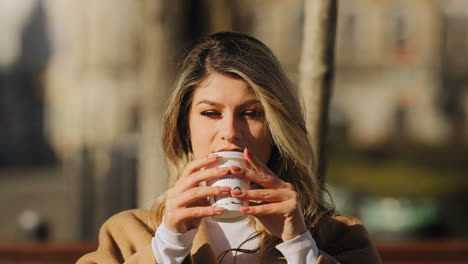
{"x": 231, "y": 154}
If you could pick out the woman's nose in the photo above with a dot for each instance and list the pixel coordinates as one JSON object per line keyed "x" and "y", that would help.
{"x": 230, "y": 129}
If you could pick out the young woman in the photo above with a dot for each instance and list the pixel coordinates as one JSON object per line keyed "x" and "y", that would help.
{"x": 231, "y": 94}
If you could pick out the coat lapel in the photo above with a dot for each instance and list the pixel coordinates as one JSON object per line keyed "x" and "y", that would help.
{"x": 201, "y": 252}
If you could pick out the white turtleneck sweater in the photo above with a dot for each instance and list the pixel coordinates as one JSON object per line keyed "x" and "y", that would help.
{"x": 172, "y": 248}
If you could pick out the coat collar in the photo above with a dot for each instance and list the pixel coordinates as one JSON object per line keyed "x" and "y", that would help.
{"x": 201, "y": 251}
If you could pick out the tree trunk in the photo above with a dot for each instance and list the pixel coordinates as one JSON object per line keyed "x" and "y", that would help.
{"x": 316, "y": 71}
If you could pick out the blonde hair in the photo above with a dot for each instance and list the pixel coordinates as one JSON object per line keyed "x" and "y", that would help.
{"x": 246, "y": 58}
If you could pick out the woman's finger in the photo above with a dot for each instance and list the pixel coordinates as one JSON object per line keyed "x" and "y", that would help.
{"x": 256, "y": 163}
{"x": 266, "y": 180}
{"x": 197, "y": 212}
{"x": 195, "y": 178}
{"x": 197, "y": 164}
{"x": 264, "y": 195}
{"x": 281, "y": 208}
{"x": 194, "y": 194}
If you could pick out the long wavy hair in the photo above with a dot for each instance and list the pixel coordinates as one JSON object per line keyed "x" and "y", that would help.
{"x": 246, "y": 58}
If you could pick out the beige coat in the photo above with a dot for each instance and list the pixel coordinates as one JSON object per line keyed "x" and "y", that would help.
{"x": 126, "y": 238}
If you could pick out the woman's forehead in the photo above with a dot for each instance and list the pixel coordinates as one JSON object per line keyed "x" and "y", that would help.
{"x": 219, "y": 86}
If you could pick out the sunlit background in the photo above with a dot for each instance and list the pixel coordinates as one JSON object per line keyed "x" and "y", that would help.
{"x": 83, "y": 85}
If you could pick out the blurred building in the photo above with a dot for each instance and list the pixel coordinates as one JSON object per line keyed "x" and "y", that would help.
{"x": 53, "y": 128}
{"x": 400, "y": 71}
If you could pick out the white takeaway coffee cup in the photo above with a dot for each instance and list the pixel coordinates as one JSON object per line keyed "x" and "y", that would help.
{"x": 229, "y": 203}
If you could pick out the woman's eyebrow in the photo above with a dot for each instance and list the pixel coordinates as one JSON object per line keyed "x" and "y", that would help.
{"x": 244, "y": 104}
{"x": 208, "y": 102}
{"x": 249, "y": 102}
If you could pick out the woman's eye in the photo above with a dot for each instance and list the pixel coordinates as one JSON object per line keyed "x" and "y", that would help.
{"x": 210, "y": 113}
{"x": 253, "y": 113}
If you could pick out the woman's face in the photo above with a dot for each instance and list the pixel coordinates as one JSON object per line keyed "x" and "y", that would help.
{"x": 226, "y": 115}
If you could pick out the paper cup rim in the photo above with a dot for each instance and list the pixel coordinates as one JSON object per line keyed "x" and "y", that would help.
{"x": 230, "y": 154}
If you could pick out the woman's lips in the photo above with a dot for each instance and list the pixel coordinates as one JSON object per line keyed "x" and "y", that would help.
{"x": 230, "y": 149}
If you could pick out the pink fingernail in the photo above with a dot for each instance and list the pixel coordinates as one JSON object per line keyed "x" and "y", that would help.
{"x": 244, "y": 209}
{"x": 235, "y": 168}
{"x": 236, "y": 192}
{"x": 219, "y": 210}
{"x": 248, "y": 154}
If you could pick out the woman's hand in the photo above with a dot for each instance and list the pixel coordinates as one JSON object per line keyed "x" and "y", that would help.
{"x": 280, "y": 211}
{"x": 186, "y": 203}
